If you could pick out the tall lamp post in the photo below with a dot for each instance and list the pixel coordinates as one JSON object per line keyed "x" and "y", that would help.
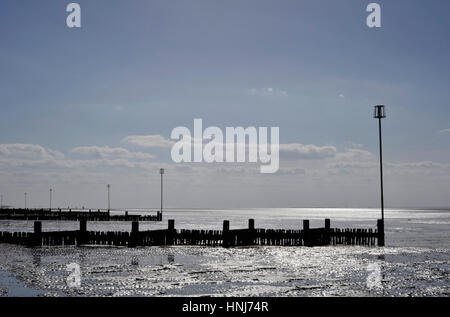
{"x": 161, "y": 172}
{"x": 109, "y": 201}
{"x": 380, "y": 113}
{"x": 51, "y": 190}
{"x": 25, "y": 200}
{"x": 1, "y": 201}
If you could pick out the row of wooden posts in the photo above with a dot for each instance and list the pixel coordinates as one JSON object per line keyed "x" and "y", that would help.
{"x": 71, "y": 215}
{"x": 227, "y": 238}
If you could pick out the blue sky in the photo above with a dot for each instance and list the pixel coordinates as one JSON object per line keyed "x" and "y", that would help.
{"x": 145, "y": 67}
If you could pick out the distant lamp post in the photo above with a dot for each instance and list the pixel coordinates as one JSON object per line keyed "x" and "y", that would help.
{"x": 1, "y": 201}
{"x": 380, "y": 113}
{"x": 51, "y": 190}
{"x": 109, "y": 200}
{"x": 161, "y": 172}
{"x": 25, "y": 200}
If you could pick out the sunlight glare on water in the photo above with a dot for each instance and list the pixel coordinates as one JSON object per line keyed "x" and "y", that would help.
{"x": 415, "y": 261}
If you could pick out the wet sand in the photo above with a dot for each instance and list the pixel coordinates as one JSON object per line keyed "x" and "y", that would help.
{"x": 416, "y": 261}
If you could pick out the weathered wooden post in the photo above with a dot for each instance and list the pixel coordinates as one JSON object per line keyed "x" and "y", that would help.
{"x": 251, "y": 224}
{"x": 83, "y": 232}
{"x": 83, "y": 225}
{"x": 37, "y": 227}
{"x": 380, "y": 228}
{"x": 37, "y": 237}
{"x": 327, "y": 231}
{"x": 134, "y": 234}
{"x": 306, "y": 240}
{"x": 170, "y": 232}
{"x": 226, "y": 234}
{"x": 135, "y": 227}
{"x": 251, "y": 232}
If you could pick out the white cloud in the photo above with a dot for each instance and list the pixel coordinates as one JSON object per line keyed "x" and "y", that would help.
{"x": 108, "y": 152}
{"x": 300, "y": 151}
{"x": 269, "y": 91}
{"x": 356, "y": 145}
{"x": 341, "y": 96}
{"x": 321, "y": 172}
{"x": 355, "y": 155}
{"x": 419, "y": 165}
{"x": 28, "y": 151}
{"x": 148, "y": 141}
{"x": 444, "y": 131}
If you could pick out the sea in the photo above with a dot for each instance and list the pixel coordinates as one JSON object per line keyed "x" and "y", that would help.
{"x": 414, "y": 262}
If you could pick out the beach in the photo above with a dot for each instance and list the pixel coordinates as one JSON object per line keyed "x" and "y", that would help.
{"x": 415, "y": 261}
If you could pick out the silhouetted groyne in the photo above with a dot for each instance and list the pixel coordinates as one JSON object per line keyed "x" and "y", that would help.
{"x": 69, "y": 214}
{"x": 250, "y": 236}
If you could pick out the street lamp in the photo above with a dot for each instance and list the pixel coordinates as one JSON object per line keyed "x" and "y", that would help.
{"x": 161, "y": 171}
{"x": 25, "y": 200}
{"x": 380, "y": 113}
{"x": 109, "y": 201}
{"x": 51, "y": 190}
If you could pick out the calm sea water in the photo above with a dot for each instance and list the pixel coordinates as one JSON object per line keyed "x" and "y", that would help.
{"x": 415, "y": 262}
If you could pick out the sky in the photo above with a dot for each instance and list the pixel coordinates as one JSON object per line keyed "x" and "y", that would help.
{"x": 84, "y": 107}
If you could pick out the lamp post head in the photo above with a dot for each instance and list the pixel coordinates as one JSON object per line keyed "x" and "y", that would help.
{"x": 108, "y": 185}
{"x": 161, "y": 171}
{"x": 379, "y": 112}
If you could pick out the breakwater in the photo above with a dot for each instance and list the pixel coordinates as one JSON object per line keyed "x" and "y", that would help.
{"x": 75, "y": 215}
{"x": 226, "y": 237}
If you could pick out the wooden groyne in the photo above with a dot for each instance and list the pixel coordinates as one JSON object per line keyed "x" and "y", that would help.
{"x": 71, "y": 215}
{"x": 250, "y": 236}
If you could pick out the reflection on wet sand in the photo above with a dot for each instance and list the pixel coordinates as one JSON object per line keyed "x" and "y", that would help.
{"x": 266, "y": 271}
